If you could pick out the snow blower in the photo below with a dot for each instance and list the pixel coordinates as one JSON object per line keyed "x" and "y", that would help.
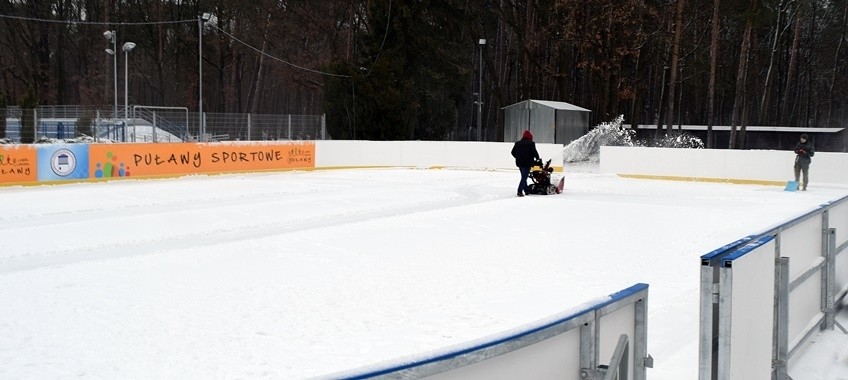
{"x": 541, "y": 177}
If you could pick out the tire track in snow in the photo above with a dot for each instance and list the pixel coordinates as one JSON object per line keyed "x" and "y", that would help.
{"x": 468, "y": 195}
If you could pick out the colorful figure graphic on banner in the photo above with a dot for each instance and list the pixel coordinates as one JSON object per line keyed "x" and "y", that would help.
{"x": 111, "y": 168}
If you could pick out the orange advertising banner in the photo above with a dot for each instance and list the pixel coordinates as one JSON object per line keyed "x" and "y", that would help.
{"x": 148, "y": 160}
{"x": 18, "y": 164}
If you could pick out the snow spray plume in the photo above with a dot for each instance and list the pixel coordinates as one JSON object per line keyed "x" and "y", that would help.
{"x": 588, "y": 147}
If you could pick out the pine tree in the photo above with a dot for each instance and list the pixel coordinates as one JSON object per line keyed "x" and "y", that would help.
{"x": 410, "y": 78}
{"x": 84, "y": 124}
{"x": 2, "y": 115}
{"x": 28, "y": 104}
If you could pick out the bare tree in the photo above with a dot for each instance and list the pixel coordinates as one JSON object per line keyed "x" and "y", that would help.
{"x": 785, "y": 111}
{"x": 675, "y": 61}
{"x": 766, "y": 99}
{"x": 836, "y": 62}
{"x": 713, "y": 65}
{"x": 741, "y": 78}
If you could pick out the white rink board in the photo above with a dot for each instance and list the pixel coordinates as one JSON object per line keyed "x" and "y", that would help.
{"x": 622, "y": 319}
{"x": 760, "y": 165}
{"x": 557, "y": 357}
{"x": 424, "y": 154}
{"x": 802, "y": 244}
{"x": 752, "y": 307}
{"x": 804, "y": 307}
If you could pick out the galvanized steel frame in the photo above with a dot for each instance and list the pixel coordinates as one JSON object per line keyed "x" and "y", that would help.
{"x": 714, "y": 320}
{"x": 588, "y": 323}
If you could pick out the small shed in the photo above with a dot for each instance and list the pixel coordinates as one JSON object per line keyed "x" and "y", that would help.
{"x": 549, "y": 121}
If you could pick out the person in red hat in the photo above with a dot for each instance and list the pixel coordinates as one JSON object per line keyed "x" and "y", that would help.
{"x": 526, "y": 156}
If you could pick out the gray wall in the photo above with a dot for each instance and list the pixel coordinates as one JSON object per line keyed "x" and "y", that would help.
{"x": 548, "y": 125}
{"x": 571, "y": 125}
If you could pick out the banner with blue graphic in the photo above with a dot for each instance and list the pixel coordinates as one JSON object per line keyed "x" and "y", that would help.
{"x": 62, "y": 162}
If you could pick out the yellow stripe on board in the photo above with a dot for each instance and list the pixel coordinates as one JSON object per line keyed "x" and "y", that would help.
{"x": 702, "y": 179}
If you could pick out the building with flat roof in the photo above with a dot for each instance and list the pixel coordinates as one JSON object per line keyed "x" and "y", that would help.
{"x": 761, "y": 137}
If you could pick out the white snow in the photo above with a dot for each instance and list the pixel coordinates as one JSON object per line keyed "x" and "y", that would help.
{"x": 299, "y": 274}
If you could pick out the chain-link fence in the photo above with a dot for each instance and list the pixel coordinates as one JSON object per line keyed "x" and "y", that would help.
{"x": 160, "y": 124}
{"x": 228, "y": 126}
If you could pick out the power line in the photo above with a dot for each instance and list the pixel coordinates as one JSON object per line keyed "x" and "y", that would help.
{"x": 278, "y": 59}
{"x": 95, "y": 22}
{"x": 174, "y": 22}
{"x": 382, "y": 44}
{"x": 385, "y": 35}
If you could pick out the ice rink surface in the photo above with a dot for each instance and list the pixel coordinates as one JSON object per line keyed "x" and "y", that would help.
{"x": 299, "y": 274}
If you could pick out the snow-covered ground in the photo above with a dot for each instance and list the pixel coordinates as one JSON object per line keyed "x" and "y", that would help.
{"x": 299, "y": 274}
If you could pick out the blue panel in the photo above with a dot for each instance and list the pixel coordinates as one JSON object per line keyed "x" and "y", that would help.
{"x": 746, "y": 249}
{"x": 835, "y": 202}
{"x": 62, "y": 162}
{"x": 725, "y": 249}
{"x": 620, "y": 295}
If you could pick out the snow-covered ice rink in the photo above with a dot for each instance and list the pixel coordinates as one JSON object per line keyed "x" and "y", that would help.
{"x": 299, "y": 274}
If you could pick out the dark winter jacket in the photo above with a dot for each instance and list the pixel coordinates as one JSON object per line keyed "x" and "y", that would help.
{"x": 525, "y": 153}
{"x": 804, "y": 151}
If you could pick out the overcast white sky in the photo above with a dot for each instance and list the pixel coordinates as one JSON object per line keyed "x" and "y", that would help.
{"x": 299, "y": 274}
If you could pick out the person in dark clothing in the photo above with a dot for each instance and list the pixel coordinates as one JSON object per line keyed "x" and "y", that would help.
{"x": 803, "y": 151}
{"x": 526, "y": 156}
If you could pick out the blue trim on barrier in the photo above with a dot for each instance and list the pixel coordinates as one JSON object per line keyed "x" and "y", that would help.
{"x": 726, "y": 248}
{"x": 622, "y": 294}
{"x": 617, "y": 296}
{"x": 715, "y": 255}
{"x": 728, "y": 261}
{"x": 798, "y": 219}
{"x": 835, "y": 202}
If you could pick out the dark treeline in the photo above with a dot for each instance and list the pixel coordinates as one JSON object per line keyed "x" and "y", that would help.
{"x": 409, "y": 69}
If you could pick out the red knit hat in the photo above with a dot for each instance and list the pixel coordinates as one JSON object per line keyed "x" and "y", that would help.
{"x": 527, "y": 135}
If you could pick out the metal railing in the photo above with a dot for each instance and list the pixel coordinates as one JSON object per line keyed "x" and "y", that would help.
{"x": 159, "y": 124}
{"x": 76, "y": 121}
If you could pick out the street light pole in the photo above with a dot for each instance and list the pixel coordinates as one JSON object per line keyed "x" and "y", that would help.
{"x": 481, "y": 42}
{"x": 202, "y": 19}
{"x": 112, "y": 36}
{"x": 128, "y": 46}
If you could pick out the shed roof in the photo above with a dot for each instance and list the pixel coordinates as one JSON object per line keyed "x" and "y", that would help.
{"x": 750, "y": 128}
{"x": 551, "y": 104}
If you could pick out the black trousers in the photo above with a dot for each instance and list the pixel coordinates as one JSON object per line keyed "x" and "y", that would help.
{"x": 802, "y": 169}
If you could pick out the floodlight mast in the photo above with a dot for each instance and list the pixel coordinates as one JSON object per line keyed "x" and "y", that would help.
{"x": 128, "y": 46}
{"x": 481, "y": 42}
{"x": 112, "y": 36}
{"x": 203, "y": 19}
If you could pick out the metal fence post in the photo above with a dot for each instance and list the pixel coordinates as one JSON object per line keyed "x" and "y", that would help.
{"x": 154, "y": 126}
{"x": 640, "y": 341}
{"x": 589, "y": 350}
{"x": 34, "y": 124}
{"x": 134, "y": 134}
{"x": 708, "y": 312}
{"x": 96, "y": 124}
{"x": 825, "y": 219}
{"x": 780, "y": 345}
{"x": 725, "y": 318}
{"x": 829, "y": 281}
